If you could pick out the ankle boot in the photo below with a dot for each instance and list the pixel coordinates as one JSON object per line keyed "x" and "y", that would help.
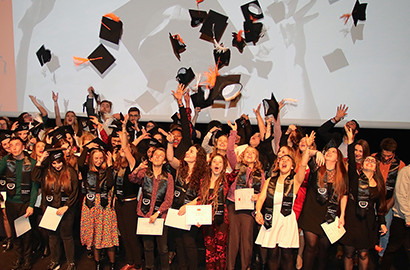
{"x": 112, "y": 266}
{"x": 98, "y": 265}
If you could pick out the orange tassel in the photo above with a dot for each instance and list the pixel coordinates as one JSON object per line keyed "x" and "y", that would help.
{"x": 198, "y": 1}
{"x": 239, "y": 36}
{"x": 345, "y": 17}
{"x": 79, "y": 60}
{"x": 178, "y": 37}
{"x": 211, "y": 77}
{"x": 378, "y": 248}
{"x": 112, "y": 16}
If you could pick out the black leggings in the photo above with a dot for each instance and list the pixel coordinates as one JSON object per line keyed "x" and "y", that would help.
{"x": 315, "y": 244}
{"x": 349, "y": 252}
{"x": 64, "y": 232}
{"x": 276, "y": 257}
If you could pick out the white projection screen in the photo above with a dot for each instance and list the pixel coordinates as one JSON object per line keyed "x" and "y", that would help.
{"x": 307, "y": 53}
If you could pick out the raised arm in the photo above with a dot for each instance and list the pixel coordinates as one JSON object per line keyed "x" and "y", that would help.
{"x": 125, "y": 145}
{"x": 230, "y": 151}
{"x": 259, "y": 119}
{"x": 173, "y": 161}
{"x": 59, "y": 123}
{"x": 39, "y": 107}
{"x": 324, "y": 130}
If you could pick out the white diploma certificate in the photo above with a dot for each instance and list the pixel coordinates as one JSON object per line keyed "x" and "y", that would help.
{"x": 199, "y": 214}
{"x": 22, "y": 225}
{"x": 332, "y": 231}
{"x": 50, "y": 219}
{"x": 243, "y": 199}
{"x": 146, "y": 228}
{"x": 176, "y": 221}
{"x": 3, "y": 203}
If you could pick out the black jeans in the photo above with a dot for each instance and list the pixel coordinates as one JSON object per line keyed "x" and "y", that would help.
{"x": 22, "y": 244}
{"x": 64, "y": 232}
{"x": 187, "y": 250}
{"x": 162, "y": 249}
{"x": 127, "y": 224}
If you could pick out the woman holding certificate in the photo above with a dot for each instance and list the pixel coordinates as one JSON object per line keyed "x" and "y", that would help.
{"x": 190, "y": 170}
{"x": 279, "y": 234}
{"x": 59, "y": 190}
{"x": 156, "y": 198}
{"x": 326, "y": 197}
{"x": 249, "y": 179}
{"x": 365, "y": 208}
{"x": 98, "y": 220}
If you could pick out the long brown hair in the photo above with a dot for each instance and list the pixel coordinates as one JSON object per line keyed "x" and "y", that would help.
{"x": 91, "y": 164}
{"x": 64, "y": 178}
{"x": 381, "y": 187}
{"x": 257, "y": 165}
{"x": 206, "y": 183}
{"x": 75, "y": 125}
{"x": 340, "y": 183}
{"x": 198, "y": 171}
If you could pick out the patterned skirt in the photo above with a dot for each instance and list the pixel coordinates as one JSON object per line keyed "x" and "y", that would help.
{"x": 98, "y": 225}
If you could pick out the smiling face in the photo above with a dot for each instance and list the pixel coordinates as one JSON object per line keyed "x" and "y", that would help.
{"x": 6, "y": 144}
{"x": 222, "y": 143}
{"x": 158, "y": 157}
{"x": 217, "y": 165}
{"x": 331, "y": 155}
{"x": 358, "y": 152}
{"x": 40, "y": 146}
{"x": 303, "y": 144}
{"x": 177, "y": 137}
{"x": 57, "y": 165}
{"x": 190, "y": 155}
{"x": 370, "y": 164}
{"x": 69, "y": 118}
{"x": 98, "y": 158}
{"x": 255, "y": 140}
{"x": 250, "y": 155}
{"x": 285, "y": 164}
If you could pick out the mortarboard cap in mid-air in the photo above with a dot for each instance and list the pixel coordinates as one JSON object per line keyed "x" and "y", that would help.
{"x": 359, "y": 12}
{"x": 101, "y": 58}
{"x": 198, "y": 99}
{"x": 271, "y": 106}
{"x": 43, "y": 55}
{"x": 222, "y": 55}
{"x": 214, "y": 26}
{"x": 111, "y": 28}
{"x": 253, "y": 31}
{"x": 238, "y": 41}
{"x": 185, "y": 75}
{"x": 227, "y": 87}
{"x": 178, "y": 45}
{"x": 252, "y": 11}
{"x": 197, "y": 16}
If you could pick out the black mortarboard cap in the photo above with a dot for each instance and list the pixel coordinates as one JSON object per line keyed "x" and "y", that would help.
{"x": 226, "y": 87}
{"x": 331, "y": 144}
{"x": 222, "y": 57}
{"x": 43, "y": 55}
{"x": 57, "y": 134}
{"x": 35, "y": 130}
{"x": 116, "y": 126}
{"x": 101, "y": 58}
{"x": 214, "y": 26}
{"x": 178, "y": 45}
{"x": 98, "y": 141}
{"x": 252, "y": 31}
{"x": 111, "y": 28}
{"x": 198, "y": 99}
{"x": 359, "y": 12}
{"x": 22, "y": 126}
{"x": 145, "y": 144}
{"x": 55, "y": 153}
{"x": 197, "y": 16}
{"x": 185, "y": 75}
{"x": 5, "y": 134}
{"x": 238, "y": 41}
{"x": 252, "y": 11}
{"x": 271, "y": 106}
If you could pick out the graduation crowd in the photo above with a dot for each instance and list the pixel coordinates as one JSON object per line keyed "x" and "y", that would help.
{"x": 106, "y": 175}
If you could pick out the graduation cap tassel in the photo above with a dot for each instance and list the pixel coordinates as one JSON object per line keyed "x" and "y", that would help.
{"x": 197, "y": 2}
{"x": 211, "y": 76}
{"x": 239, "y": 37}
{"x": 346, "y": 17}
{"x": 79, "y": 60}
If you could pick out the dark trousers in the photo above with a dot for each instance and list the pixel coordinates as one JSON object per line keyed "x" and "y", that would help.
{"x": 240, "y": 237}
{"x": 399, "y": 236}
{"x": 187, "y": 250}
{"x": 127, "y": 224}
{"x": 22, "y": 244}
{"x": 162, "y": 249}
{"x": 64, "y": 232}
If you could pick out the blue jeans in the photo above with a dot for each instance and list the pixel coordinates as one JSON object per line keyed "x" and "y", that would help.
{"x": 384, "y": 240}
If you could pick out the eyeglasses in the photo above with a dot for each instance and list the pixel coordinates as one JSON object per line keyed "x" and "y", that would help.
{"x": 371, "y": 160}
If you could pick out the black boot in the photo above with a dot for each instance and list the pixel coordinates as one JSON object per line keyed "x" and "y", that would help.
{"x": 8, "y": 245}
{"x": 46, "y": 252}
{"x": 98, "y": 265}
{"x": 16, "y": 264}
{"x": 112, "y": 266}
